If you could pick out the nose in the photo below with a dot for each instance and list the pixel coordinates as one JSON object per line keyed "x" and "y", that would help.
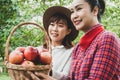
{"x": 55, "y": 27}
{"x": 74, "y": 15}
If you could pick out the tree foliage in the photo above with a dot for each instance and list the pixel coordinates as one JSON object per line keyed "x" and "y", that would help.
{"x": 111, "y": 18}
{"x": 7, "y": 12}
{"x": 12, "y": 12}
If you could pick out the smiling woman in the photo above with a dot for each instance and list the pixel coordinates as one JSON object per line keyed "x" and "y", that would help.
{"x": 62, "y": 32}
{"x": 96, "y": 56}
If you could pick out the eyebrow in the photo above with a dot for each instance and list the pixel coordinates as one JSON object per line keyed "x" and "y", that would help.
{"x": 61, "y": 23}
{"x": 76, "y": 6}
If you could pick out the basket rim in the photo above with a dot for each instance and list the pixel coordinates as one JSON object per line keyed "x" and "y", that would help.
{"x": 30, "y": 68}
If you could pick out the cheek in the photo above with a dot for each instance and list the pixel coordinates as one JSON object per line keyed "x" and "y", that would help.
{"x": 82, "y": 13}
{"x": 67, "y": 32}
{"x": 49, "y": 29}
{"x": 78, "y": 14}
{"x": 63, "y": 32}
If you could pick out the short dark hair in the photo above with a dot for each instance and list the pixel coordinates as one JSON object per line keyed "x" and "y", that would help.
{"x": 101, "y": 6}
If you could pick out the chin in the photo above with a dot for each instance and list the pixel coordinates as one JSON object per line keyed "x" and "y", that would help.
{"x": 78, "y": 27}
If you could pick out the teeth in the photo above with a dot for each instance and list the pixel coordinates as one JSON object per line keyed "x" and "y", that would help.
{"x": 54, "y": 34}
{"x": 77, "y": 22}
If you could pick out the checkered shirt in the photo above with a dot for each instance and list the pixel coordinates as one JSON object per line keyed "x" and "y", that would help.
{"x": 100, "y": 61}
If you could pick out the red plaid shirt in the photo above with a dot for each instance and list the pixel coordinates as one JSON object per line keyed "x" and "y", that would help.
{"x": 100, "y": 61}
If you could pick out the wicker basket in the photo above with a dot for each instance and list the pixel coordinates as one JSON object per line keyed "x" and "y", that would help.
{"x": 19, "y": 72}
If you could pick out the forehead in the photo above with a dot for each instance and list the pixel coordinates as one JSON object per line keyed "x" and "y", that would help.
{"x": 61, "y": 21}
{"x": 78, "y": 2}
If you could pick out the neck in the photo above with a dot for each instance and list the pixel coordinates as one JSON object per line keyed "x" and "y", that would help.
{"x": 91, "y": 26}
{"x": 56, "y": 44}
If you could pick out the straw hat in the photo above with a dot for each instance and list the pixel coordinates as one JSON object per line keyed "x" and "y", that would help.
{"x": 62, "y": 10}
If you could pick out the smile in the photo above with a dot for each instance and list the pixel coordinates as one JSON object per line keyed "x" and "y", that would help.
{"x": 76, "y": 22}
{"x": 54, "y": 34}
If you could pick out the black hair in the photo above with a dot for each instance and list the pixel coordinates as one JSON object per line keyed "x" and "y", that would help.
{"x": 101, "y": 6}
{"x": 67, "y": 42}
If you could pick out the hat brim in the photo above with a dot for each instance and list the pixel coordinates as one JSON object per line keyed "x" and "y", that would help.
{"x": 58, "y": 9}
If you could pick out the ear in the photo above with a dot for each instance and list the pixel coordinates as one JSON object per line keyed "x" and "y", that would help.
{"x": 95, "y": 10}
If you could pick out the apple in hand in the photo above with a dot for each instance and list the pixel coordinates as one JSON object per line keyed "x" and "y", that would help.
{"x": 16, "y": 57}
{"x": 30, "y": 53}
{"x": 27, "y": 63}
{"x": 45, "y": 57}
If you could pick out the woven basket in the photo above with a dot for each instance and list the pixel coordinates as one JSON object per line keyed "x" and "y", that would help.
{"x": 19, "y": 72}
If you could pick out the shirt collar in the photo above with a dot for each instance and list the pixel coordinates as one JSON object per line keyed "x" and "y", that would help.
{"x": 90, "y": 36}
{"x": 57, "y": 47}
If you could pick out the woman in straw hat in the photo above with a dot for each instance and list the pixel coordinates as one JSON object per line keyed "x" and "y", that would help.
{"x": 57, "y": 23}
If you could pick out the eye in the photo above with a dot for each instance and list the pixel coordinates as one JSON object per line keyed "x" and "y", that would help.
{"x": 51, "y": 24}
{"x": 60, "y": 25}
{"x": 78, "y": 9}
{"x": 72, "y": 11}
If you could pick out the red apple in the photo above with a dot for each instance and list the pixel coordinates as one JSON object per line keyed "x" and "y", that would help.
{"x": 44, "y": 50}
{"x": 16, "y": 57}
{"x": 30, "y": 53}
{"x": 22, "y": 49}
{"x": 45, "y": 57}
{"x": 40, "y": 49}
{"x": 27, "y": 63}
{"x": 37, "y": 61}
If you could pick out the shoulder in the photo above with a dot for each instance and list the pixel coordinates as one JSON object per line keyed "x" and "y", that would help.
{"x": 108, "y": 33}
{"x": 108, "y": 36}
{"x": 70, "y": 49}
{"x": 62, "y": 49}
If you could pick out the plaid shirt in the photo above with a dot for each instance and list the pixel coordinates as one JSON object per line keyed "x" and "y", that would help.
{"x": 100, "y": 61}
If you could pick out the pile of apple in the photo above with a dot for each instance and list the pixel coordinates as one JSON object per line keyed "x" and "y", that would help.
{"x": 29, "y": 56}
